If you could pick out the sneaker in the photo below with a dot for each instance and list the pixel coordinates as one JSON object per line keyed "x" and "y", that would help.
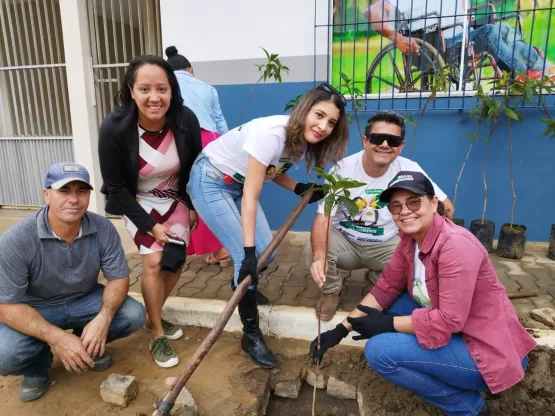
{"x": 327, "y": 305}
{"x": 171, "y": 331}
{"x": 162, "y": 353}
{"x": 102, "y": 362}
{"x": 33, "y": 388}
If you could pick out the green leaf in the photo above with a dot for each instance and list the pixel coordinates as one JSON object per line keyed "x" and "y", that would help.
{"x": 350, "y": 205}
{"x": 349, "y": 184}
{"x": 344, "y": 77}
{"x": 347, "y": 193}
{"x": 510, "y": 113}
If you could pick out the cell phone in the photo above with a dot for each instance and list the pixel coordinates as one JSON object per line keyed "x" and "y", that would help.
{"x": 175, "y": 240}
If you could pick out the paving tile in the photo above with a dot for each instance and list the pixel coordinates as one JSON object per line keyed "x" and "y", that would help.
{"x": 288, "y": 282}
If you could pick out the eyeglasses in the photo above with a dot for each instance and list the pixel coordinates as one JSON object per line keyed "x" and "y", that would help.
{"x": 391, "y": 139}
{"x": 413, "y": 204}
{"x": 329, "y": 88}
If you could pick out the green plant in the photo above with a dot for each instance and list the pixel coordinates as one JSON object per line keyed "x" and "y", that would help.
{"x": 438, "y": 82}
{"x": 350, "y": 85}
{"x": 502, "y": 108}
{"x": 336, "y": 188}
{"x": 271, "y": 69}
{"x": 291, "y": 104}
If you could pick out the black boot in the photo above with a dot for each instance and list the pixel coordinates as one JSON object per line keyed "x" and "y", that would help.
{"x": 261, "y": 299}
{"x": 252, "y": 341}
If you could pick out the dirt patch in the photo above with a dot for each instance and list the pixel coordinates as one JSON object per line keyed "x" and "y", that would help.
{"x": 302, "y": 406}
{"x": 228, "y": 383}
{"x": 535, "y": 395}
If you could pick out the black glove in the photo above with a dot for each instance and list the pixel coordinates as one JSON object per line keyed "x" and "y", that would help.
{"x": 302, "y": 188}
{"x": 328, "y": 339}
{"x": 248, "y": 266}
{"x": 372, "y": 324}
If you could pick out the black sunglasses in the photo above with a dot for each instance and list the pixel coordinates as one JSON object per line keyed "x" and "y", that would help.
{"x": 329, "y": 88}
{"x": 379, "y": 138}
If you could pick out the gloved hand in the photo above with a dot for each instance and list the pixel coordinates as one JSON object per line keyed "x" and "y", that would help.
{"x": 248, "y": 266}
{"x": 374, "y": 323}
{"x": 328, "y": 339}
{"x": 302, "y": 188}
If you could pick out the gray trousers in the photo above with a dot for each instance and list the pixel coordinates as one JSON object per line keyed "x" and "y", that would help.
{"x": 345, "y": 254}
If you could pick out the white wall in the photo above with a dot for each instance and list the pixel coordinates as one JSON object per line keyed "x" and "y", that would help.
{"x": 219, "y": 30}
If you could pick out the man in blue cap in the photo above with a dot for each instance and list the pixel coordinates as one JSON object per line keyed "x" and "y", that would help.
{"x": 49, "y": 266}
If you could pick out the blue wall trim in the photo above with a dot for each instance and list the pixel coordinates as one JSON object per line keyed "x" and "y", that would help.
{"x": 440, "y": 148}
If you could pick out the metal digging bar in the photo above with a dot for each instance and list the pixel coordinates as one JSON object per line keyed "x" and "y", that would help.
{"x": 163, "y": 408}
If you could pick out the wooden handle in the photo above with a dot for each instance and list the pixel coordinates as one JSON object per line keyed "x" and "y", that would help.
{"x": 515, "y": 295}
{"x": 163, "y": 408}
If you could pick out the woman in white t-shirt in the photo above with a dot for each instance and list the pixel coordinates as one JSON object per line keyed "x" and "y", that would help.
{"x": 227, "y": 178}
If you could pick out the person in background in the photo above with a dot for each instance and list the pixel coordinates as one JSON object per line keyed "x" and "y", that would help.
{"x": 147, "y": 146}
{"x": 227, "y": 179}
{"x": 203, "y": 100}
{"x": 438, "y": 322}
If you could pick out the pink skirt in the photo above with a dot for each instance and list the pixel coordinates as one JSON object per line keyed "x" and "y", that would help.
{"x": 202, "y": 241}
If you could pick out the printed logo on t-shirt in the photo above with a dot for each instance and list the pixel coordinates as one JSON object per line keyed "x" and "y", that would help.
{"x": 368, "y": 215}
{"x": 238, "y": 177}
{"x": 284, "y": 168}
{"x": 271, "y": 170}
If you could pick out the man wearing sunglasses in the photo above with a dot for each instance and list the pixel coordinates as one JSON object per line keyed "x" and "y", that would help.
{"x": 368, "y": 239}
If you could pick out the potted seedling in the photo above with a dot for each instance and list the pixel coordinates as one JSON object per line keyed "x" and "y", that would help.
{"x": 486, "y": 110}
{"x": 512, "y": 237}
{"x": 337, "y": 193}
{"x": 530, "y": 92}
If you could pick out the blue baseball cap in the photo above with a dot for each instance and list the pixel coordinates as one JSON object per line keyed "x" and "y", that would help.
{"x": 60, "y": 174}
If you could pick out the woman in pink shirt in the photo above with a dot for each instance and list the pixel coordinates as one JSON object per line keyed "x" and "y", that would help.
{"x": 439, "y": 322}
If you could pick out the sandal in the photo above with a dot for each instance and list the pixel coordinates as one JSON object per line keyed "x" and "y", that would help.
{"x": 211, "y": 259}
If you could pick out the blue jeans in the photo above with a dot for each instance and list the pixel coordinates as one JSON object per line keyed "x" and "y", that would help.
{"x": 21, "y": 354}
{"x": 446, "y": 377}
{"x": 219, "y": 206}
{"x": 505, "y": 44}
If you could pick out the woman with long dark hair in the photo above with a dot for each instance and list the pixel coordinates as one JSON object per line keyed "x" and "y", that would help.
{"x": 227, "y": 178}
{"x": 147, "y": 146}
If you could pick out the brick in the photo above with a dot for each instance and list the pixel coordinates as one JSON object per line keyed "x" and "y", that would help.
{"x": 311, "y": 291}
{"x": 340, "y": 389}
{"x": 188, "y": 292}
{"x": 544, "y": 315}
{"x": 274, "y": 284}
{"x": 512, "y": 285}
{"x": 119, "y": 390}
{"x": 224, "y": 292}
{"x": 184, "y": 403}
{"x": 289, "y": 294}
{"x": 210, "y": 290}
{"x": 315, "y": 378}
{"x": 289, "y": 388}
{"x": 543, "y": 301}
